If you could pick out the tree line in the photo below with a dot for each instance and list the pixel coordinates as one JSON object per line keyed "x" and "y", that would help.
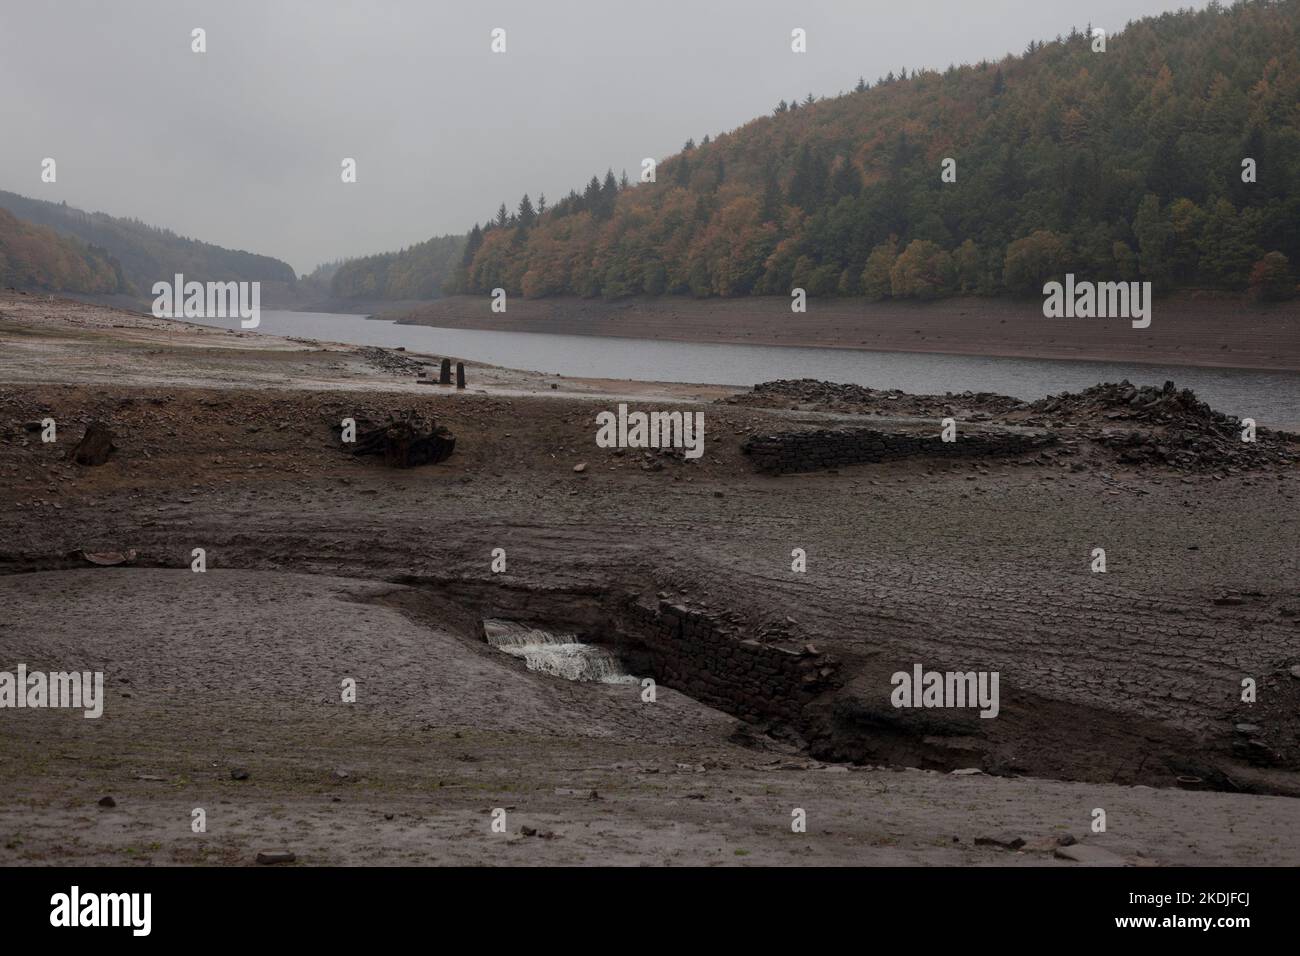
{"x": 1126, "y": 164}
{"x": 146, "y": 254}
{"x": 35, "y": 257}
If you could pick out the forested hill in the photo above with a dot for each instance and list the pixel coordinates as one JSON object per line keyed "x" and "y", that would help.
{"x": 36, "y": 257}
{"x": 417, "y": 272}
{"x": 148, "y": 254}
{"x": 1122, "y": 164}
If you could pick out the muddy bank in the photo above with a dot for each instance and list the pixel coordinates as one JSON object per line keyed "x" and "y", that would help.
{"x": 1002, "y": 582}
{"x": 776, "y": 681}
{"x": 224, "y": 696}
{"x": 1185, "y": 330}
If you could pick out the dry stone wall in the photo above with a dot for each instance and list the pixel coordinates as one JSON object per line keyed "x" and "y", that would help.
{"x": 830, "y": 448}
{"x": 708, "y": 660}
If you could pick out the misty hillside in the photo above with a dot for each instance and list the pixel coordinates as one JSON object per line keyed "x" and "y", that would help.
{"x": 35, "y": 257}
{"x": 417, "y": 272}
{"x": 1116, "y": 165}
{"x": 148, "y": 254}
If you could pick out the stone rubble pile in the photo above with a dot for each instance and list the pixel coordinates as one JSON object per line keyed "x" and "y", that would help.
{"x": 837, "y": 396}
{"x": 1164, "y": 425}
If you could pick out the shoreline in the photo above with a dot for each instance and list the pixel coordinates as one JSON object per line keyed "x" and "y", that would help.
{"x": 321, "y": 563}
{"x": 1261, "y": 339}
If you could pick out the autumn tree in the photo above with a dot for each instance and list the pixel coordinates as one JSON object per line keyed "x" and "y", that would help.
{"x": 922, "y": 271}
{"x": 1032, "y": 261}
{"x": 876, "y": 275}
{"x": 1271, "y": 279}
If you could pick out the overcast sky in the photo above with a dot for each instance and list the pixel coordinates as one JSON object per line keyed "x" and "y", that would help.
{"x": 242, "y": 145}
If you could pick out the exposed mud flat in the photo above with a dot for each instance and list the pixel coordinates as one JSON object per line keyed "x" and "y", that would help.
{"x": 324, "y": 566}
{"x": 237, "y": 673}
{"x": 1186, "y": 329}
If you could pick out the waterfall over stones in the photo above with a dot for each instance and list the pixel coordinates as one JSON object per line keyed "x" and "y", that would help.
{"x": 561, "y": 655}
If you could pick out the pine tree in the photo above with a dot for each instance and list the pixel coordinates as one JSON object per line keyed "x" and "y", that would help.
{"x": 772, "y": 200}
{"x": 682, "y": 171}
{"x": 472, "y": 243}
{"x": 527, "y": 215}
{"x": 846, "y": 181}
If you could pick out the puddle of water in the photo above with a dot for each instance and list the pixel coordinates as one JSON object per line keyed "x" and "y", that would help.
{"x": 561, "y": 655}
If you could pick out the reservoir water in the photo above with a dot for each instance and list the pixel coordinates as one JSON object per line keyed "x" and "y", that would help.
{"x": 1271, "y": 398}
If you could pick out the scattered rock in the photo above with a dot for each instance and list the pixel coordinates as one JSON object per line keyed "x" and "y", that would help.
{"x": 95, "y": 445}
{"x": 107, "y": 802}
{"x": 106, "y": 559}
{"x": 580, "y": 467}
{"x": 270, "y": 857}
{"x": 1088, "y": 855}
{"x": 238, "y": 773}
{"x": 1004, "y": 841}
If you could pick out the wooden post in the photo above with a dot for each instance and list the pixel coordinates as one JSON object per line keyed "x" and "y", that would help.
{"x": 460, "y": 374}
{"x": 444, "y": 376}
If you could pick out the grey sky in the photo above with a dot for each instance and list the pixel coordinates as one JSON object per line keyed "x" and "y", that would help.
{"x": 241, "y": 146}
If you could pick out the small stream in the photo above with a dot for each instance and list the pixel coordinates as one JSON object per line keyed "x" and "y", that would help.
{"x": 561, "y": 655}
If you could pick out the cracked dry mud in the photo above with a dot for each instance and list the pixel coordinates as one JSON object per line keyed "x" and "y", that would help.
{"x": 1113, "y": 686}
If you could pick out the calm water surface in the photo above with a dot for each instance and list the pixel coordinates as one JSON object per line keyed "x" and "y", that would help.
{"x": 1271, "y": 398}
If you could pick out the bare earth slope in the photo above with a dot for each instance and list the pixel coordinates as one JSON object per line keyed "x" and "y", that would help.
{"x": 1185, "y": 329}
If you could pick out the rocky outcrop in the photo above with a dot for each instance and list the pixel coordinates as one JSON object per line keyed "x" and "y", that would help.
{"x": 95, "y": 446}
{"x": 405, "y": 441}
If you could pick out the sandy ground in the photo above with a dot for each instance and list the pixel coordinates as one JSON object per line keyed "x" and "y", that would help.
{"x": 1114, "y": 685}
{"x": 1184, "y": 330}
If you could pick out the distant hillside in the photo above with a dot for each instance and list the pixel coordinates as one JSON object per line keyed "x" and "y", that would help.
{"x": 1116, "y": 165}
{"x": 414, "y": 273}
{"x": 148, "y": 254}
{"x": 34, "y": 257}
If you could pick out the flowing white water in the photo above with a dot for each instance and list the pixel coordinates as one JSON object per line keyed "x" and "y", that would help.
{"x": 559, "y": 654}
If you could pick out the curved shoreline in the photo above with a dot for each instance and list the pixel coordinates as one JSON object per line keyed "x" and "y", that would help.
{"x": 1206, "y": 333}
